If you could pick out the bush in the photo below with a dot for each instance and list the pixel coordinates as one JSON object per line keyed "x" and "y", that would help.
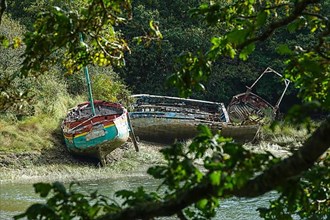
{"x": 107, "y": 86}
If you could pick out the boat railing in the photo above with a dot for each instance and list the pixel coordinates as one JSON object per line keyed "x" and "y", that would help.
{"x": 175, "y": 109}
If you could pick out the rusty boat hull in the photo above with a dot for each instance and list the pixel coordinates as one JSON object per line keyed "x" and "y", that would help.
{"x": 166, "y": 119}
{"x": 250, "y": 108}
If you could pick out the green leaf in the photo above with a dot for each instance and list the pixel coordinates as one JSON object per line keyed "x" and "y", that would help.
{"x": 200, "y": 86}
{"x": 247, "y": 51}
{"x": 38, "y": 211}
{"x": 202, "y": 203}
{"x": 5, "y": 42}
{"x": 216, "y": 41}
{"x": 292, "y": 27}
{"x": 231, "y": 52}
{"x": 42, "y": 188}
{"x": 312, "y": 67}
{"x": 203, "y": 129}
{"x": 283, "y": 49}
{"x": 296, "y": 24}
{"x": 238, "y": 36}
{"x": 215, "y": 178}
{"x": 157, "y": 171}
{"x": 124, "y": 194}
{"x": 59, "y": 187}
{"x": 261, "y": 18}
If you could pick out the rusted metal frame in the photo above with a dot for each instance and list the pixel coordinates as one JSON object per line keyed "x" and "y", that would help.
{"x": 287, "y": 82}
{"x": 270, "y": 70}
{"x": 267, "y": 70}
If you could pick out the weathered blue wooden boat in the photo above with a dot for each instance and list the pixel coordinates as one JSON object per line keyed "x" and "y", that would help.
{"x": 166, "y": 119}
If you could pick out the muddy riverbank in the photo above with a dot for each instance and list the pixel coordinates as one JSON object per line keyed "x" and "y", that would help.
{"x": 59, "y": 165}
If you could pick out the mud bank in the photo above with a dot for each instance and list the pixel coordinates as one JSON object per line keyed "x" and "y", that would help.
{"x": 60, "y": 165}
{"x": 57, "y": 164}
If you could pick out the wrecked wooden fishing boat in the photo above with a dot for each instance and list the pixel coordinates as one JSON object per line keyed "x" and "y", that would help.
{"x": 249, "y": 108}
{"x": 95, "y": 134}
{"x": 166, "y": 119}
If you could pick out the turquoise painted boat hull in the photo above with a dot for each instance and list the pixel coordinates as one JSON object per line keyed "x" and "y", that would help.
{"x": 107, "y": 143}
{"x": 96, "y": 136}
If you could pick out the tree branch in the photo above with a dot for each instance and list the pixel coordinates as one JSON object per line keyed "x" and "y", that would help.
{"x": 294, "y": 166}
{"x": 167, "y": 208}
{"x": 298, "y": 10}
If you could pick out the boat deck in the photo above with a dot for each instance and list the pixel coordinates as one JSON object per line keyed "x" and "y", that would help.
{"x": 85, "y": 111}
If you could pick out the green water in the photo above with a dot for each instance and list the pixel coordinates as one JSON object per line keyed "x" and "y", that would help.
{"x": 15, "y": 198}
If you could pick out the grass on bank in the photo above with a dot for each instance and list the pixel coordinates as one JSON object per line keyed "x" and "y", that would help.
{"x": 287, "y": 135}
{"x": 33, "y": 133}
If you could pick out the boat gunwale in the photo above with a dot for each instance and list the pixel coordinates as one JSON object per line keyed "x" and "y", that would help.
{"x": 102, "y": 119}
{"x": 218, "y": 108}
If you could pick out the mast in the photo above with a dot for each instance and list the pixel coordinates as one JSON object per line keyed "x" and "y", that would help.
{"x": 89, "y": 87}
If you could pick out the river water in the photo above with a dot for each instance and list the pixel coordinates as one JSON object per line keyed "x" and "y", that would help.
{"x": 15, "y": 198}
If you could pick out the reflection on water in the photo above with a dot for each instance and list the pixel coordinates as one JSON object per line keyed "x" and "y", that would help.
{"x": 15, "y": 198}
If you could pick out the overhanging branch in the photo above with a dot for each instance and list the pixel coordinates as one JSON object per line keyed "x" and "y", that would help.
{"x": 294, "y": 166}
{"x": 300, "y": 161}
{"x": 298, "y": 10}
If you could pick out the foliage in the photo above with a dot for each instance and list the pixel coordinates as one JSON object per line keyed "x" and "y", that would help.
{"x": 31, "y": 94}
{"x": 193, "y": 71}
{"x": 225, "y": 166}
{"x": 15, "y": 94}
{"x": 51, "y": 96}
{"x": 66, "y": 204}
{"x": 21, "y": 9}
{"x": 248, "y": 22}
{"x": 155, "y": 60}
{"x": 58, "y": 28}
{"x": 109, "y": 87}
{"x": 32, "y": 128}
{"x": 308, "y": 198}
{"x": 152, "y": 63}
{"x": 229, "y": 170}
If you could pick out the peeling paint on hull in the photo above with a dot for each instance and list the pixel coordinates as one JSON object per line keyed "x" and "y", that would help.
{"x": 95, "y": 136}
{"x": 165, "y": 119}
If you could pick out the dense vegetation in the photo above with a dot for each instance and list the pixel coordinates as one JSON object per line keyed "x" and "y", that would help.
{"x": 151, "y": 62}
{"x": 294, "y": 38}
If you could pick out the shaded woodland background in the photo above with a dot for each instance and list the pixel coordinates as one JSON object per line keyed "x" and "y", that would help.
{"x": 150, "y": 63}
